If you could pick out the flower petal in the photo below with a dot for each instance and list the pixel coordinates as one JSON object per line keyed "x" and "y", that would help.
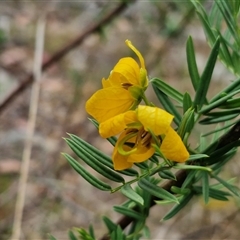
{"x": 119, "y": 161}
{"x": 129, "y": 44}
{"x": 173, "y": 148}
{"x": 142, "y": 154}
{"x": 109, "y": 102}
{"x": 117, "y": 124}
{"x": 129, "y": 69}
{"x": 106, "y": 83}
{"x": 154, "y": 118}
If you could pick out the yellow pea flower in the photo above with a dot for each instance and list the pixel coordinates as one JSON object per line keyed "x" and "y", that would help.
{"x": 135, "y": 141}
{"x": 122, "y": 91}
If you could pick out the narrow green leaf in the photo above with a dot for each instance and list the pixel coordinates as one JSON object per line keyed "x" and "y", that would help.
{"x": 218, "y": 194}
{"x": 163, "y": 202}
{"x": 230, "y": 187}
{"x": 224, "y": 159}
{"x": 118, "y": 234}
{"x": 71, "y": 235}
{"x": 91, "y": 231}
{"x": 223, "y": 113}
{"x": 187, "y": 102}
{"x": 51, "y": 237}
{"x": 93, "y": 162}
{"x": 111, "y": 226}
{"x": 156, "y": 191}
{"x": 215, "y": 16}
{"x": 154, "y": 159}
{"x": 187, "y": 123}
{"x": 168, "y": 105}
{"x": 232, "y": 26}
{"x": 128, "y": 212}
{"x": 205, "y": 187}
{"x": 142, "y": 165}
{"x": 219, "y": 102}
{"x": 189, "y": 179}
{"x": 167, "y": 174}
{"x": 131, "y": 194}
{"x": 235, "y": 85}
{"x": 182, "y": 203}
{"x": 192, "y": 65}
{"x": 167, "y": 89}
{"x": 206, "y": 76}
{"x": 197, "y": 156}
{"x": 181, "y": 191}
{"x": 214, "y": 193}
{"x": 207, "y": 28}
{"x": 86, "y": 175}
{"x": 219, "y": 152}
{"x": 214, "y": 120}
{"x": 146, "y": 232}
{"x": 187, "y": 167}
{"x": 103, "y": 158}
{"x": 222, "y": 128}
{"x": 231, "y": 103}
{"x": 225, "y": 54}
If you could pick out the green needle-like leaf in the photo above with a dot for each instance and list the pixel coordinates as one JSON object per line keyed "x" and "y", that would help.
{"x": 128, "y": 212}
{"x": 71, "y": 235}
{"x": 167, "y": 174}
{"x": 182, "y": 203}
{"x": 223, "y": 113}
{"x": 205, "y": 187}
{"x": 93, "y": 162}
{"x": 187, "y": 123}
{"x": 220, "y": 102}
{"x": 231, "y": 104}
{"x": 214, "y": 120}
{"x": 51, "y": 237}
{"x": 206, "y": 76}
{"x": 235, "y": 85}
{"x": 197, "y": 156}
{"x": 227, "y": 185}
{"x": 111, "y": 226}
{"x": 156, "y": 190}
{"x": 214, "y": 193}
{"x": 189, "y": 179}
{"x": 192, "y": 167}
{"x": 192, "y": 65}
{"x": 167, "y": 89}
{"x": 86, "y": 175}
{"x": 103, "y": 158}
{"x": 187, "y": 102}
{"x": 131, "y": 194}
{"x": 167, "y": 104}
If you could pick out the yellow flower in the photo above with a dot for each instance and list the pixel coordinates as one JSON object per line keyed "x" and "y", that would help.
{"x": 122, "y": 91}
{"x": 135, "y": 141}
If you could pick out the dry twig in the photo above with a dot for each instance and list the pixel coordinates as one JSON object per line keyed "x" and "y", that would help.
{"x": 30, "y": 130}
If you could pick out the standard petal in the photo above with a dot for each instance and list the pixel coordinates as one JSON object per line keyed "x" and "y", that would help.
{"x": 173, "y": 148}
{"x": 109, "y": 102}
{"x": 115, "y": 79}
{"x": 106, "y": 83}
{"x": 154, "y": 118}
{"x": 129, "y": 69}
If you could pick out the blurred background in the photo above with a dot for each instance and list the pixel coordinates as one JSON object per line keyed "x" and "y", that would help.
{"x": 57, "y": 198}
